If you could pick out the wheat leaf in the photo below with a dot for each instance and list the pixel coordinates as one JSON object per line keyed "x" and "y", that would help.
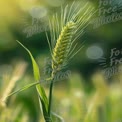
{"x": 40, "y": 90}
{"x": 22, "y": 89}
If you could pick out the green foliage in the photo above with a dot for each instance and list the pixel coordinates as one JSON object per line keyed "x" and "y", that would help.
{"x": 42, "y": 95}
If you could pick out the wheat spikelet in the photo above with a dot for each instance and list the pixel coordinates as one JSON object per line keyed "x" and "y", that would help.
{"x": 62, "y": 46}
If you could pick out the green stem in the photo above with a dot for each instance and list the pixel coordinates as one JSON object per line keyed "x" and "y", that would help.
{"x": 50, "y": 98}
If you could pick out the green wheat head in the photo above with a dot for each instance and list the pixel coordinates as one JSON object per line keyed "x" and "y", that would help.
{"x": 66, "y": 28}
{"x": 62, "y": 46}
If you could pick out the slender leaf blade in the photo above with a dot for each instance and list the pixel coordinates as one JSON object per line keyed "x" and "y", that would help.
{"x": 39, "y": 88}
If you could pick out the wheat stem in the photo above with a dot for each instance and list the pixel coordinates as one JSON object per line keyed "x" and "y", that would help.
{"x": 65, "y": 30}
{"x": 50, "y": 97}
{"x": 60, "y": 52}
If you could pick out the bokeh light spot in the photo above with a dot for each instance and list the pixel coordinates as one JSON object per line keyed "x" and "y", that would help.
{"x": 94, "y": 52}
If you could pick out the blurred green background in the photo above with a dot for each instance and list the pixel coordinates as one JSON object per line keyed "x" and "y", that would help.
{"x": 26, "y": 21}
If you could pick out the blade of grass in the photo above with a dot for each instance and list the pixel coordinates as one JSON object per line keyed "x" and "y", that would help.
{"x": 22, "y": 89}
{"x": 40, "y": 89}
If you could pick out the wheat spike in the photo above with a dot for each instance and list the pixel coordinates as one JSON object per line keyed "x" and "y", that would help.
{"x": 66, "y": 28}
{"x": 17, "y": 74}
{"x": 62, "y": 46}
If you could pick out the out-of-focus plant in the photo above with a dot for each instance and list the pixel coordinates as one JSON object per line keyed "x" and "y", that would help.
{"x": 8, "y": 84}
{"x": 103, "y": 104}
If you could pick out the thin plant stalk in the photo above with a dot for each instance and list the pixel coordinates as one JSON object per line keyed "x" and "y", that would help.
{"x": 50, "y": 98}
